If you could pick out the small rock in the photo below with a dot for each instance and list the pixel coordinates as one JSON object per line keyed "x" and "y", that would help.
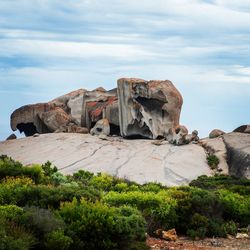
{"x": 77, "y": 129}
{"x": 215, "y": 242}
{"x": 11, "y": 137}
{"x": 36, "y": 135}
{"x": 230, "y": 237}
{"x": 158, "y": 142}
{"x": 158, "y": 233}
{"x": 216, "y": 133}
{"x": 103, "y": 137}
{"x": 242, "y": 236}
{"x": 102, "y": 127}
{"x": 169, "y": 235}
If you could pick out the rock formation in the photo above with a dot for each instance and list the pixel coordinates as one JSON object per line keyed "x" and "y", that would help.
{"x": 11, "y": 137}
{"x": 216, "y": 133}
{"x": 148, "y": 108}
{"x": 243, "y": 129}
{"x": 77, "y": 111}
{"x": 238, "y": 154}
{"x": 101, "y": 128}
{"x": 136, "y": 109}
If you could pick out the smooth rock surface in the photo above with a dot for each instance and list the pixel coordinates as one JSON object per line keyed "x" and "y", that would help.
{"x": 238, "y": 153}
{"x": 137, "y": 160}
{"x": 217, "y": 147}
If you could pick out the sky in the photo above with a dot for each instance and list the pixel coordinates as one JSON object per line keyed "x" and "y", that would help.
{"x": 51, "y": 47}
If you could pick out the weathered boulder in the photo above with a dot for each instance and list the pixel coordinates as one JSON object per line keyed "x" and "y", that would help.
{"x": 26, "y": 119}
{"x": 216, "y": 133}
{"x": 81, "y": 108}
{"x": 101, "y": 128}
{"x": 177, "y": 135}
{"x": 54, "y": 118}
{"x": 243, "y": 129}
{"x": 11, "y": 137}
{"x": 238, "y": 153}
{"x": 192, "y": 137}
{"x": 148, "y": 109}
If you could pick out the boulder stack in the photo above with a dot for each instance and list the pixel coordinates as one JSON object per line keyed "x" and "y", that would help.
{"x": 136, "y": 109}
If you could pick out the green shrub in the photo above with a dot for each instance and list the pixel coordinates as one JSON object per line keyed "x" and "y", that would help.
{"x": 158, "y": 209}
{"x": 198, "y": 226}
{"x": 14, "y": 236}
{"x": 11, "y": 212}
{"x": 230, "y": 228}
{"x": 196, "y": 234}
{"x": 152, "y": 187}
{"x": 41, "y": 221}
{"x": 102, "y": 181}
{"x": 98, "y": 226}
{"x": 44, "y": 196}
{"x": 9, "y": 167}
{"x": 231, "y": 183}
{"x": 57, "y": 240}
{"x": 213, "y": 161}
{"x": 215, "y": 228}
{"x": 83, "y": 176}
{"x": 49, "y": 169}
{"x": 235, "y": 207}
{"x": 121, "y": 187}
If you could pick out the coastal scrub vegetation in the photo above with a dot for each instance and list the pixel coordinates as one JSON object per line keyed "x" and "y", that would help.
{"x": 40, "y": 208}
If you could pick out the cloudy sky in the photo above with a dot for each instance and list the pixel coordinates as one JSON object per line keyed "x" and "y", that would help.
{"x": 51, "y": 47}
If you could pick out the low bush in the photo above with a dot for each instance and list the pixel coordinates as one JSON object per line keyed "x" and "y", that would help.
{"x": 98, "y": 226}
{"x": 230, "y": 183}
{"x": 15, "y": 237}
{"x": 235, "y": 207}
{"x": 213, "y": 161}
{"x": 43, "y": 196}
{"x": 9, "y": 167}
{"x": 57, "y": 240}
{"x": 43, "y": 209}
{"x": 157, "y": 208}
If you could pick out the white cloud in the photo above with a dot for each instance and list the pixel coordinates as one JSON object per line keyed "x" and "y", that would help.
{"x": 42, "y": 48}
{"x": 243, "y": 70}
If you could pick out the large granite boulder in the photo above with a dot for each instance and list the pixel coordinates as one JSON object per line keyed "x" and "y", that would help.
{"x": 148, "y": 109}
{"x": 216, "y": 133}
{"x": 55, "y": 118}
{"x": 238, "y": 154}
{"x": 243, "y": 129}
{"x": 81, "y": 108}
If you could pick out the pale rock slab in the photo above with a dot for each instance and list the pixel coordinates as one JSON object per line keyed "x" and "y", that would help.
{"x": 238, "y": 153}
{"x": 137, "y": 160}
